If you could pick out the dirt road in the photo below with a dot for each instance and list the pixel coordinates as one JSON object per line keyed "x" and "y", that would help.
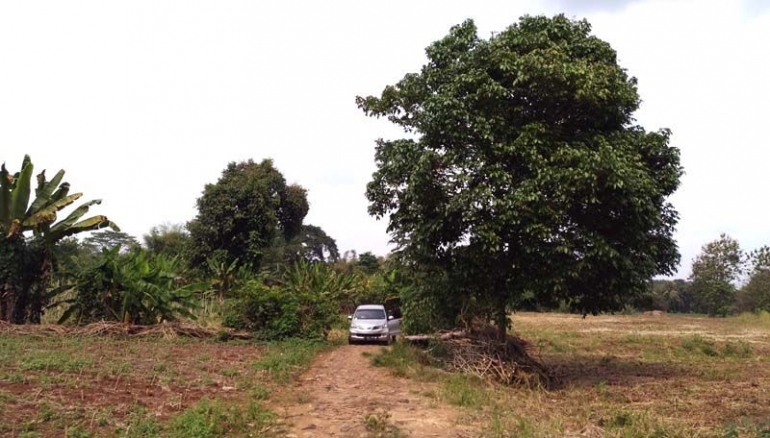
{"x": 335, "y": 396}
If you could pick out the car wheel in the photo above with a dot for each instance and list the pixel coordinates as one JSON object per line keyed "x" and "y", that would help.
{"x": 351, "y": 341}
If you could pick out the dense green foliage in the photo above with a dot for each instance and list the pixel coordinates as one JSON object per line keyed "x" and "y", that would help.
{"x": 132, "y": 288}
{"x": 755, "y": 295}
{"x": 243, "y": 212}
{"x": 305, "y": 304}
{"x": 29, "y": 231}
{"x": 523, "y": 176}
{"x": 714, "y": 274}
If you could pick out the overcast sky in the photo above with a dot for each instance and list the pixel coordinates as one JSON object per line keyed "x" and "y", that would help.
{"x": 144, "y": 102}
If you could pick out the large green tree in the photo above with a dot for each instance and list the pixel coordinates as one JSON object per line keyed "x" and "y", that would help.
{"x": 241, "y": 214}
{"x": 29, "y": 232}
{"x": 715, "y": 271}
{"x": 523, "y": 173}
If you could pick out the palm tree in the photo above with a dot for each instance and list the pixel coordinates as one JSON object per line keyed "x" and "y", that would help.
{"x": 25, "y": 261}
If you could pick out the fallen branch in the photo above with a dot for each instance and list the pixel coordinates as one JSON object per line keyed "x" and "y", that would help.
{"x": 438, "y": 336}
{"x": 482, "y": 355}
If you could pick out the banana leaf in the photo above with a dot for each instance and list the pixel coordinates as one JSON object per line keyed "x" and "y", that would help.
{"x": 45, "y": 191}
{"x": 21, "y": 191}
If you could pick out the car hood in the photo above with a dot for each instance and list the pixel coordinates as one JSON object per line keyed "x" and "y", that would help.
{"x": 367, "y": 323}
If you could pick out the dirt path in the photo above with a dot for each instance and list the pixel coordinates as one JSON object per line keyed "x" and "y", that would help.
{"x": 334, "y": 397}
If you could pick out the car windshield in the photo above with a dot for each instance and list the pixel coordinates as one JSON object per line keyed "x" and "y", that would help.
{"x": 369, "y": 314}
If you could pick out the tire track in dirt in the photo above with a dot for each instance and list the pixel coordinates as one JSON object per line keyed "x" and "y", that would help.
{"x": 333, "y": 398}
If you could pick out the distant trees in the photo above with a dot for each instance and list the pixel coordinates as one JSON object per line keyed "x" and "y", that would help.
{"x": 311, "y": 244}
{"x": 241, "y": 214}
{"x": 108, "y": 239}
{"x": 755, "y": 295}
{"x": 171, "y": 240}
{"x": 368, "y": 262}
{"x": 523, "y": 176}
{"x": 714, "y": 274}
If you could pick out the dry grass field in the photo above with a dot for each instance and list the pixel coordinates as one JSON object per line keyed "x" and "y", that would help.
{"x": 653, "y": 375}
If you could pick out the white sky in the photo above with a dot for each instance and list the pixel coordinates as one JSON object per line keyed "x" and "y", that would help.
{"x": 144, "y": 102}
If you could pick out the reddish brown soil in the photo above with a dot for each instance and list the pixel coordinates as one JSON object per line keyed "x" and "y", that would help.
{"x": 335, "y": 396}
{"x": 154, "y": 376}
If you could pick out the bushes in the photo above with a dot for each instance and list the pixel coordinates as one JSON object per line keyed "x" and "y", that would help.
{"x": 296, "y": 308}
{"x": 265, "y": 310}
{"x": 132, "y": 288}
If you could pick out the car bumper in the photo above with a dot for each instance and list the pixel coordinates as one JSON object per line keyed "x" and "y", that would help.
{"x": 368, "y": 336}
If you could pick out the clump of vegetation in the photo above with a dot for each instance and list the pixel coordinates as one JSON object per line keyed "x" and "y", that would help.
{"x": 26, "y": 263}
{"x": 284, "y": 360}
{"x": 379, "y": 425}
{"x": 131, "y": 288}
{"x": 304, "y": 305}
{"x": 213, "y": 419}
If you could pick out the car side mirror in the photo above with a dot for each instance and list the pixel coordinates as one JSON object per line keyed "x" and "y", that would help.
{"x": 350, "y": 317}
{"x": 390, "y": 317}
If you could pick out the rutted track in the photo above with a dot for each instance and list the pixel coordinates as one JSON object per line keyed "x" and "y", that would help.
{"x": 333, "y": 398}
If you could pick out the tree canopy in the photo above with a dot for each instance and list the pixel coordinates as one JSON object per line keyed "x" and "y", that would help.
{"x": 167, "y": 239}
{"x": 240, "y": 215}
{"x": 714, "y": 274}
{"x": 523, "y": 174}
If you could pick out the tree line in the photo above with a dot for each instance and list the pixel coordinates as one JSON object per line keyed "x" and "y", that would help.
{"x": 725, "y": 280}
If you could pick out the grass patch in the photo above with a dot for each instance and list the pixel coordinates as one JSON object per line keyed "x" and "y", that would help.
{"x": 284, "y": 360}
{"x": 466, "y": 392}
{"x": 212, "y": 419}
{"x": 55, "y": 362}
{"x": 700, "y": 345}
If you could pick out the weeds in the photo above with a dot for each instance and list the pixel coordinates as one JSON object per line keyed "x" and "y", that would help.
{"x": 378, "y": 425}
{"x": 283, "y": 360}
{"x": 212, "y": 419}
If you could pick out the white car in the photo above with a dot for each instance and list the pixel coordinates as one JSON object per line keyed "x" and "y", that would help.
{"x": 370, "y": 322}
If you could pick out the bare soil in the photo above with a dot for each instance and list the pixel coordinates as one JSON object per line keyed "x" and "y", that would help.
{"x": 342, "y": 388}
{"x": 50, "y": 384}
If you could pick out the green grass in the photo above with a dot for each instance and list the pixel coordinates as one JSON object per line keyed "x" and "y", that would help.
{"x": 213, "y": 419}
{"x": 699, "y": 345}
{"x": 284, "y": 360}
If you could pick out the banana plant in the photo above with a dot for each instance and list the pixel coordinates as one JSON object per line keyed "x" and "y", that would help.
{"x": 19, "y": 218}
{"x": 17, "y": 215}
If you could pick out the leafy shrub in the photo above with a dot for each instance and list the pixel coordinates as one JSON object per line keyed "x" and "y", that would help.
{"x": 305, "y": 304}
{"x": 132, "y": 288}
{"x": 268, "y": 311}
